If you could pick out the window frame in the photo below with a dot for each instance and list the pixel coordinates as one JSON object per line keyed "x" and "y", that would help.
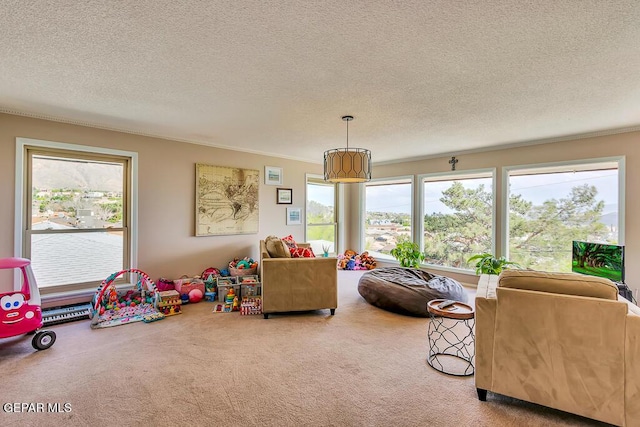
{"x": 562, "y": 166}
{"x": 452, "y": 176}
{"x": 25, "y": 149}
{"x": 337, "y": 211}
{"x": 362, "y": 208}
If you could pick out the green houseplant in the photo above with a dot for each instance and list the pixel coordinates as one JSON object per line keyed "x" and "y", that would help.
{"x": 408, "y": 253}
{"x": 488, "y": 264}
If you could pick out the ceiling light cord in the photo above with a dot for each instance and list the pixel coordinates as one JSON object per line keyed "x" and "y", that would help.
{"x": 347, "y": 135}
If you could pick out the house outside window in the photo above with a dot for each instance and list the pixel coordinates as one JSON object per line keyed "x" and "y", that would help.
{"x": 551, "y": 206}
{"x": 388, "y": 215}
{"x": 321, "y": 215}
{"x": 458, "y": 217}
{"x": 76, "y": 213}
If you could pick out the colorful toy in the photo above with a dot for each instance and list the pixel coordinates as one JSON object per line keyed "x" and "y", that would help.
{"x": 20, "y": 311}
{"x": 112, "y": 307}
{"x": 211, "y": 271}
{"x": 153, "y": 317}
{"x": 165, "y": 284}
{"x": 185, "y": 284}
{"x": 241, "y": 267}
{"x": 350, "y": 260}
{"x": 195, "y": 295}
{"x": 210, "y": 275}
{"x": 367, "y": 261}
{"x": 251, "y": 306}
{"x": 228, "y": 299}
{"x": 169, "y": 302}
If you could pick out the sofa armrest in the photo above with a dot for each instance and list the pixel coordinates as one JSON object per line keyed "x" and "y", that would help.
{"x": 632, "y": 369}
{"x": 486, "y": 304}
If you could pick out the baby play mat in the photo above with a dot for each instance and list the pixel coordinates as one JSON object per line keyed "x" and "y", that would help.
{"x": 113, "y": 307}
{"x": 407, "y": 290}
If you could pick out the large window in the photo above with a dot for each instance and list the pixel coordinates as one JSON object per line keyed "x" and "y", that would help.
{"x": 388, "y": 216}
{"x": 458, "y": 217}
{"x": 321, "y": 215}
{"x": 551, "y": 206}
{"x": 76, "y": 215}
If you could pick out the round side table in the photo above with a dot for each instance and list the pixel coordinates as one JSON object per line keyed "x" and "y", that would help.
{"x": 451, "y": 338}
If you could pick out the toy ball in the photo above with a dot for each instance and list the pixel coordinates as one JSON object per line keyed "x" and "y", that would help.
{"x": 195, "y": 295}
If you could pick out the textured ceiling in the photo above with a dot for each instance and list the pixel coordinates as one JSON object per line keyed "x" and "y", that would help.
{"x": 421, "y": 77}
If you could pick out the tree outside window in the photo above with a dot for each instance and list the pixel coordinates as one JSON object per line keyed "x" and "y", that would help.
{"x": 548, "y": 209}
{"x": 458, "y": 219}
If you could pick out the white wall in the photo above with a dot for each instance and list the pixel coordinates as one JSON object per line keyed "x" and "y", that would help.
{"x": 167, "y": 243}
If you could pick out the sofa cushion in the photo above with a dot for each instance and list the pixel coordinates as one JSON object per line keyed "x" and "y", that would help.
{"x": 276, "y": 247}
{"x": 559, "y": 283}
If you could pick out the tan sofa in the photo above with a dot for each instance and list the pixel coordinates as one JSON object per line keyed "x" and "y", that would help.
{"x": 561, "y": 340}
{"x": 297, "y": 284}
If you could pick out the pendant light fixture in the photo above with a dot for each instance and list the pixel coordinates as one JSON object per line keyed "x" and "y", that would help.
{"x": 347, "y": 164}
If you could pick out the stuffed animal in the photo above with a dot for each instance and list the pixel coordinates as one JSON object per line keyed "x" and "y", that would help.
{"x": 368, "y": 262}
{"x": 350, "y": 260}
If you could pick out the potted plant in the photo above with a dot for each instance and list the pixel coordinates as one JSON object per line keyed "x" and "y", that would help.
{"x": 489, "y": 264}
{"x": 408, "y": 253}
{"x": 325, "y": 250}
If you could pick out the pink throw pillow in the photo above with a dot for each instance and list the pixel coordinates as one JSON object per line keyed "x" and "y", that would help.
{"x": 289, "y": 241}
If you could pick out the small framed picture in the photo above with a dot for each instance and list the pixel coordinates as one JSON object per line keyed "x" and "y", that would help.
{"x": 285, "y": 196}
{"x": 272, "y": 175}
{"x": 294, "y": 216}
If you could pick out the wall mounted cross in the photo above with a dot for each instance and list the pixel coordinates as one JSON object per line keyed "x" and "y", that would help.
{"x": 453, "y": 162}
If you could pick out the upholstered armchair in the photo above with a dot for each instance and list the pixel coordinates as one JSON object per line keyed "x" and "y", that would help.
{"x": 297, "y": 284}
{"x": 561, "y": 340}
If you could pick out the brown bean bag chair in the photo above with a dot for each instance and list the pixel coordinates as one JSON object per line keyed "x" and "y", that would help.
{"x": 407, "y": 290}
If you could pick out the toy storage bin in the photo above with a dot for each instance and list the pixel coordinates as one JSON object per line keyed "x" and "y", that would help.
{"x": 221, "y": 280}
{"x": 224, "y": 283}
{"x": 251, "y": 290}
{"x": 185, "y": 284}
{"x": 242, "y": 271}
{"x": 165, "y": 285}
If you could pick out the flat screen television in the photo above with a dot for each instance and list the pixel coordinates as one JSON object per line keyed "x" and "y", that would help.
{"x": 598, "y": 259}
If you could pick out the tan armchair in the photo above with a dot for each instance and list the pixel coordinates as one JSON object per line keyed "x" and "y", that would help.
{"x": 561, "y": 340}
{"x": 297, "y": 284}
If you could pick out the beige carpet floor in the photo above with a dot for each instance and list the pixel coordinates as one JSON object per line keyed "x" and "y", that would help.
{"x": 362, "y": 367}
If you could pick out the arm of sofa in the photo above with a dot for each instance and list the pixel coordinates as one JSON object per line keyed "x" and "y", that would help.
{"x": 298, "y": 284}
{"x": 485, "y": 324}
{"x": 632, "y": 367}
